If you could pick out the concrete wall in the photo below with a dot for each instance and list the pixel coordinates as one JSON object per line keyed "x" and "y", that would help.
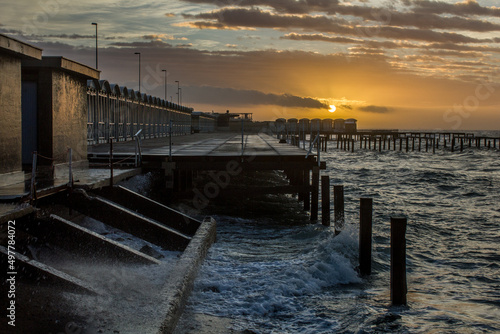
{"x": 69, "y": 116}
{"x": 10, "y": 114}
{"x": 62, "y": 107}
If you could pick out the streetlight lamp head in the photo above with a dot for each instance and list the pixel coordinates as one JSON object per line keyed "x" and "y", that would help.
{"x": 94, "y": 24}
{"x": 137, "y": 53}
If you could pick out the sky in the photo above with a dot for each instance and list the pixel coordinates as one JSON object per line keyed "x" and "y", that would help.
{"x": 398, "y": 64}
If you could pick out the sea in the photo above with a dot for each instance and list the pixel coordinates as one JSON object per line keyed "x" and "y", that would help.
{"x": 269, "y": 276}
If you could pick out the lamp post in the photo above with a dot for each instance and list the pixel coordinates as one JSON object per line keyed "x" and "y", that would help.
{"x": 178, "y": 94}
{"x": 138, "y": 53}
{"x": 165, "y": 75}
{"x": 96, "y": 47}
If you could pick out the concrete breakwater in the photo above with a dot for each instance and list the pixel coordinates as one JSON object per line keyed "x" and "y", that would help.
{"x": 85, "y": 260}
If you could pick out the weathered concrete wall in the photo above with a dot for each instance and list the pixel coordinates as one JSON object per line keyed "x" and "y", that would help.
{"x": 10, "y": 114}
{"x": 69, "y": 116}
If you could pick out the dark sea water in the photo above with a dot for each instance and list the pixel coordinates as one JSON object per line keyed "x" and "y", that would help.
{"x": 273, "y": 278}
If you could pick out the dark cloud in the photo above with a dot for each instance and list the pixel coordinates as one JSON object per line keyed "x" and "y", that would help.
{"x": 185, "y": 45}
{"x": 66, "y": 36}
{"x": 345, "y": 107}
{"x": 376, "y": 109}
{"x": 230, "y": 96}
{"x": 151, "y": 44}
{"x": 433, "y": 21}
{"x": 320, "y": 37}
{"x": 281, "y": 6}
{"x": 257, "y": 18}
{"x": 465, "y": 8}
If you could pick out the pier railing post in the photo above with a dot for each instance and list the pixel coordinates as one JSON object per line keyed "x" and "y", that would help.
{"x": 325, "y": 200}
{"x": 315, "y": 193}
{"x": 338, "y": 207}
{"x": 398, "y": 261}
{"x": 365, "y": 236}
{"x": 111, "y": 162}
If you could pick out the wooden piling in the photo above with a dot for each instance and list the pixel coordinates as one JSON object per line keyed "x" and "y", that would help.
{"x": 365, "y": 236}
{"x": 315, "y": 193}
{"x": 307, "y": 195}
{"x": 338, "y": 207}
{"x": 398, "y": 261}
{"x": 325, "y": 200}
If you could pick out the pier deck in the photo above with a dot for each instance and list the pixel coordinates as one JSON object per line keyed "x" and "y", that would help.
{"x": 212, "y": 144}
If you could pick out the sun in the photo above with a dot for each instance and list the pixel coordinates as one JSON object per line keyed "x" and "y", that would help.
{"x": 332, "y": 108}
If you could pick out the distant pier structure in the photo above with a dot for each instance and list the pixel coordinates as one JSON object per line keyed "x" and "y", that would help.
{"x": 346, "y": 136}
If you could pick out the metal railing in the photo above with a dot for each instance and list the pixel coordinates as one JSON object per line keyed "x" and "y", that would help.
{"x": 110, "y": 116}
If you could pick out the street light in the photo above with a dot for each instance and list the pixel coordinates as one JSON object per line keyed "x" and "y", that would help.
{"x": 96, "y": 47}
{"x": 178, "y": 95}
{"x": 138, "y": 53}
{"x": 165, "y": 74}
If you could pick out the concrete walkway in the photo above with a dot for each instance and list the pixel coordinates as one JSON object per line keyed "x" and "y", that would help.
{"x": 206, "y": 144}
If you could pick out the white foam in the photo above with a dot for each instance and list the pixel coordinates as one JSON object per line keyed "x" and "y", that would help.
{"x": 279, "y": 277}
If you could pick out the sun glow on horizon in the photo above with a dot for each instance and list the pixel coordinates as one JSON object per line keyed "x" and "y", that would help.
{"x": 332, "y": 108}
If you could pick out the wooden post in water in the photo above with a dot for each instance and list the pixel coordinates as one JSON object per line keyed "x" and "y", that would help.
{"x": 365, "y": 236}
{"x": 307, "y": 194}
{"x": 398, "y": 261}
{"x": 338, "y": 207}
{"x": 380, "y": 144}
{"x": 325, "y": 200}
{"x": 461, "y": 144}
{"x": 315, "y": 193}
{"x": 453, "y": 144}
